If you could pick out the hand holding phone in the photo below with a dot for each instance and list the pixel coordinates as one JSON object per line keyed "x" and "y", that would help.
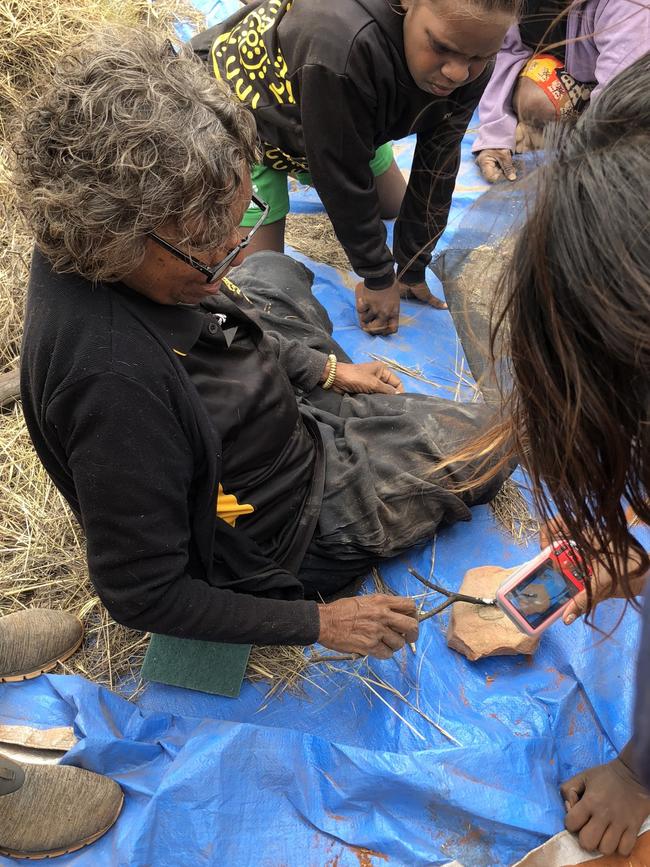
{"x": 537, "y": 593}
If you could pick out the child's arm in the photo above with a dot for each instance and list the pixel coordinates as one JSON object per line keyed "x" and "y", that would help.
{"x": 339, "y": 123}
{"x": 427, "y": 201}
{"x": 621, "y": 34}
{"x": 497, "y": 120}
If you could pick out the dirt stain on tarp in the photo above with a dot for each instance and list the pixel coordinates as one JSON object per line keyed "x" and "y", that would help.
{"x": 471, "y": 837}
{"x": 366, "y": 856}
{"x": 335, "y": 848}
{"x": 558, "y": 677}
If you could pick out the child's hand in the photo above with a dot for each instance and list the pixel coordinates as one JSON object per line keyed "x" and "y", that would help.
{"x": 378, "y": 309}
{"x": 528, "y": 138}
{"x": 421, "y": 292}
{"x": 496, "y": 164}
{"x": 606, "y": 806}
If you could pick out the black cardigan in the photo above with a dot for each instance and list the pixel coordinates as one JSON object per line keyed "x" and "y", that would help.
{"x": 124, "y": 436}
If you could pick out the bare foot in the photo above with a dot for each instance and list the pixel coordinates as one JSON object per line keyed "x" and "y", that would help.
{"x": 421, "y": 292}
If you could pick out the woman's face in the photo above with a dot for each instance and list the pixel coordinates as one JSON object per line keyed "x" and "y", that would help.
{"x": 165, "y": 279}
{"x": 448, "y": 44}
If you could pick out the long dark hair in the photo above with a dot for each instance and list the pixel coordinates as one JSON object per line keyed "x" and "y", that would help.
{"x": 575, "y": 322}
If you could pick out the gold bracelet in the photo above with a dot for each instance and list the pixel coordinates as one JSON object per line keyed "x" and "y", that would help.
{"x": 331, "y": 376}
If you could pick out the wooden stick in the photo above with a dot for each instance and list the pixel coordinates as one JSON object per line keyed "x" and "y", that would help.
{"x": 9, "y": 386}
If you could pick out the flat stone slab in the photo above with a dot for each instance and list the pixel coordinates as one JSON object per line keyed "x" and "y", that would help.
{"x": 563, "y": 850}
{"x": 477, "y": 631}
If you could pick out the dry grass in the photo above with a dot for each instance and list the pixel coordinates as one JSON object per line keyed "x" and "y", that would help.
{"x": 313, "y": 235}
{"x": 482, "y": 271}
{"x": 33, "y": 34}
{"x": 511, "y": 510}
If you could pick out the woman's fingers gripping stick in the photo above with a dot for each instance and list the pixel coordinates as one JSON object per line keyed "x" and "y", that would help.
{"x": 403, "y": 625}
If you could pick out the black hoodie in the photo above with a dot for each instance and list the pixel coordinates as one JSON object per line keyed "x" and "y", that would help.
{"x": 328, "y": 84}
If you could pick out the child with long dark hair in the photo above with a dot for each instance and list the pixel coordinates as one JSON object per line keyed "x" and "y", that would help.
{"x": 575, "y": 321}
{"x": 331, "y": 84}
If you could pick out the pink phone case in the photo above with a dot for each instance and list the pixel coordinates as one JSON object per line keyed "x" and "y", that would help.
{"x": 523, "y": 572}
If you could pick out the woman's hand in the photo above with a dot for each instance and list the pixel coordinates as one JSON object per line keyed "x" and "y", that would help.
{"x": 496, "y": 164}
{"x": 606, "y": 806}
{"x": 374, "y": 625}
{"x": 372, "y": 377}
{"x": 601, "y": 583}
{"x": 421, "y": 292}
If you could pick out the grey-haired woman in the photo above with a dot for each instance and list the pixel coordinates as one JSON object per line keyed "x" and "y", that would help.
{"x": 228, "y": 464}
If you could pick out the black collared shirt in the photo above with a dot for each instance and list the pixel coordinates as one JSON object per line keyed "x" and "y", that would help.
{"x": 268, "y": 454}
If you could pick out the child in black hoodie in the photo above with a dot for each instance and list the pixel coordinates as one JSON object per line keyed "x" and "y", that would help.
{"x": 330, "y": 85}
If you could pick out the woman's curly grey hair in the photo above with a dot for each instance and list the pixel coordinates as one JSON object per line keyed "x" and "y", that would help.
{"x": 129, "y": 136}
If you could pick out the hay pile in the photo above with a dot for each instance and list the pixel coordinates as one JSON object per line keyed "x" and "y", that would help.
{"x": 33, "y": 34}
{"x": 313, "y": 235}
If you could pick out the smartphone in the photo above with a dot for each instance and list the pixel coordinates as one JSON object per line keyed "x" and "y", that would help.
{"x": 537, "y": 593}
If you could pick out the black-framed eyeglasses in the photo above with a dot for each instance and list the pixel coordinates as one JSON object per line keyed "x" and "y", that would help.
{"x": 214, "y": 272}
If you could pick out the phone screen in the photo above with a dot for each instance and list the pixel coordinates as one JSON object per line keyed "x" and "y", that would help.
{"x": 541, "y": 594}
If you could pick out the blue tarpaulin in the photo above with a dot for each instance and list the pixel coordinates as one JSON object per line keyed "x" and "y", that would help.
{"x": 334, "y": 777}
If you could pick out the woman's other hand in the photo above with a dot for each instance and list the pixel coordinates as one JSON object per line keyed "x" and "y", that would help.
{"x": 601, "y": 583}
{"x": 606, "y": 805}
{"x": 372, "y": 377}
{"x": 496, "y": 164}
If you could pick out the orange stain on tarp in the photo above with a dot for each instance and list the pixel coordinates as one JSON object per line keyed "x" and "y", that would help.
{"x": 365, "y": 856}
{"x": 471, "y": 837}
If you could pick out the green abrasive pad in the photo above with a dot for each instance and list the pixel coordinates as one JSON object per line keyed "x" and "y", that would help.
{"x": 204, "y": 665}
